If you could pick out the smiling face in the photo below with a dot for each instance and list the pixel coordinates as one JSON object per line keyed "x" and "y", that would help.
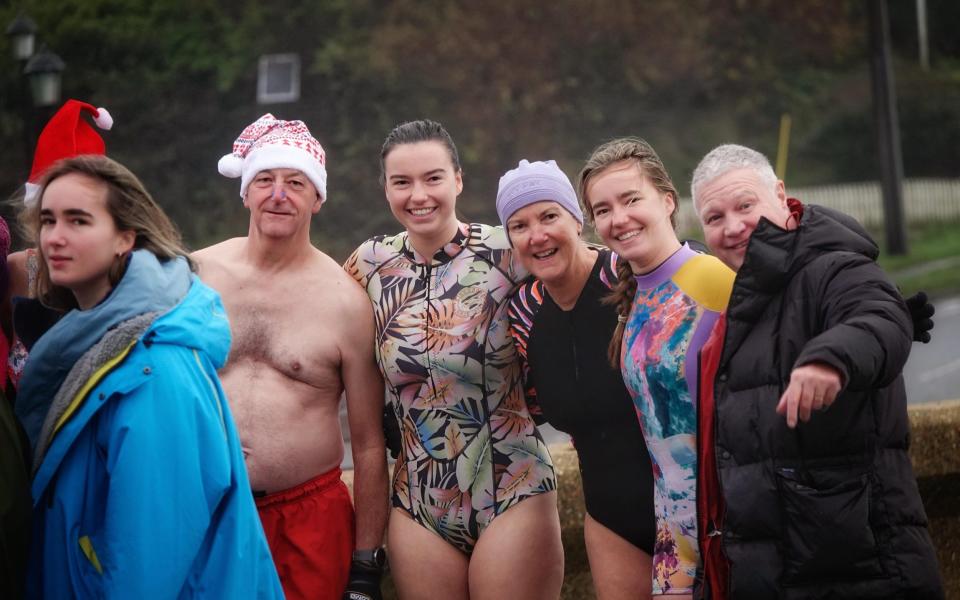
{"x": 281, "y": 202}
{"x": 632, "y": 216}
{"x": 79, "y": 239}
{"x": 422, "y": 185}
{"x": 546, "y": 238}
{"x": 731, "y": 205}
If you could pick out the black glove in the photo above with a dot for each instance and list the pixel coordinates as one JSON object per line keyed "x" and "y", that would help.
{"x": 920, "y": 311}
{"x": 391, "y": 431}
{"x": 364, "y": 581}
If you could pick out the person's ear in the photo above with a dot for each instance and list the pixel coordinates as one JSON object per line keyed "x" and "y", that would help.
{"x": 125, "y": 241}
{"x": 781, "y": 192}
{"x": 671, "y": 203}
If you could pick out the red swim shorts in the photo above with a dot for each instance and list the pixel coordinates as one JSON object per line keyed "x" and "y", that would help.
{"x": 310, "y": 532}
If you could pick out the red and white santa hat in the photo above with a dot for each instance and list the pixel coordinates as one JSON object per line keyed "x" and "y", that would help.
{"x": 65, "y": 136}
{"x": 271, "y": 143}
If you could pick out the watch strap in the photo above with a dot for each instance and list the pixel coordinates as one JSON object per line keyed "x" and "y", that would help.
{"x": 373, "y": 556}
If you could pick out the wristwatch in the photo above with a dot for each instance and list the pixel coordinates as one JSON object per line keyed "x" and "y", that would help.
{"x": 375, "y": 558}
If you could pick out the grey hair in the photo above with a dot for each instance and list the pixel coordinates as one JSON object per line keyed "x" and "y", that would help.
{"x": 730, "y": 157}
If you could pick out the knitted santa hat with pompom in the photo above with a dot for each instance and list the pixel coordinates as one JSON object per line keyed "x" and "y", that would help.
{"x": 270, "y": 143}
{"x": 65, "y": 136}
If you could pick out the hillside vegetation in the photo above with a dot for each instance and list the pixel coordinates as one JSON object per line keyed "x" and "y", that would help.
{"x": 509, "y": 79}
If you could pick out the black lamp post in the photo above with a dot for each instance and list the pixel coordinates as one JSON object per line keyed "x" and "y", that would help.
{"x": 43, "y": 70}
{"x": 22, "y": 32}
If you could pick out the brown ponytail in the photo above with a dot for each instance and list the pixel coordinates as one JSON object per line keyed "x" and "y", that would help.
{"x": 620, "y": 296}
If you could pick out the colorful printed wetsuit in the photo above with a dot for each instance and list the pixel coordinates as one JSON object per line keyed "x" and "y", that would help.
{"x": 674, "y": 310}
{"x": 470, "y": 448}
{"x": 570, "y": 381}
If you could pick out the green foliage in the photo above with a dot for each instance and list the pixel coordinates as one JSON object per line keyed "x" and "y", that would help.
{"x": 926, "y": 244}
{"x": 510, "y": 80}
{"x": 933, "y": 262}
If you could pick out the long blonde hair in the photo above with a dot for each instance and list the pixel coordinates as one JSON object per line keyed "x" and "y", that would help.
{"x": 132, "y": 209}
{"x": 615, "y": 151}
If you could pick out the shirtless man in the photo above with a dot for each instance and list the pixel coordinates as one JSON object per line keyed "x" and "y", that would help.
{"x": 302, "y": 335}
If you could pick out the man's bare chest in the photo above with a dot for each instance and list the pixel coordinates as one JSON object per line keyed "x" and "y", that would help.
{"x": 287, "y": 334}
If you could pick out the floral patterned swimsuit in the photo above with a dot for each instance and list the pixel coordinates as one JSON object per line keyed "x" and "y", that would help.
{"x": 470, "y": 449}
{"x": 674, "y": 310}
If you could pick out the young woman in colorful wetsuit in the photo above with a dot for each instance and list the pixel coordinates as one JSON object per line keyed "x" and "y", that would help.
{"x": 668, "y": 298}
{"x": 562, "y": 328}
{"x": 475, "y": 507}
{"x": 139, "y": 487}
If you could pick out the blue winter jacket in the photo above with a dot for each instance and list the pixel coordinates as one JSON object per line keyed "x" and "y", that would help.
{"x": 140, "y": 488}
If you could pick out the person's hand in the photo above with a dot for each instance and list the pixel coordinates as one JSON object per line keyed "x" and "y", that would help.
{"x": 364, "y": 583}
{"x": 920, "y": 311}
{"x": 391, "y": 431}
{"x": 812, "y": 387}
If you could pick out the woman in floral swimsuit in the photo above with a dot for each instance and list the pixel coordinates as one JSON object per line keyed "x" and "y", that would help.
{"x": 475, "y": 509}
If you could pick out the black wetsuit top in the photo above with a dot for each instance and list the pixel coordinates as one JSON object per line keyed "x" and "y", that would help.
{"x": 576, "y": 390}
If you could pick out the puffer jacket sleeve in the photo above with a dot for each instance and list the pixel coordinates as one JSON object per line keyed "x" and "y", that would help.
{"x": 169, "y": 468}
{"x": 866, "y": 327}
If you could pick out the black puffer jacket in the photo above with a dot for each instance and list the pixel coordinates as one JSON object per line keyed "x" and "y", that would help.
{"x": 831, "y": 508}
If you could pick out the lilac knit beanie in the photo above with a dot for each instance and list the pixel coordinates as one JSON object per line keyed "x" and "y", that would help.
{"x": 534, "y": 182}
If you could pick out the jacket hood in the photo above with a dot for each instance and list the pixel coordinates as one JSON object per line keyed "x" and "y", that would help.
{"x": 147, "y": 286}
{"x": 198, "y": 322}
{"x": 824, "y": 230}
{"x": 775, "y": 253}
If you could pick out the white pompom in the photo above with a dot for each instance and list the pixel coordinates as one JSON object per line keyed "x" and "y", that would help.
{"x": 230, "y": 165}
{"x": 31, "y": 193}
{"x": 103, "y": 119}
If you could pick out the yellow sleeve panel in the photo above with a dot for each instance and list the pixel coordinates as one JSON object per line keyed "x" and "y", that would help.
{"x": 707, "y": 281}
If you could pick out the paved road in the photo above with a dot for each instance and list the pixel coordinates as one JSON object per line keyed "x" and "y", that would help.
{"x": 933, "y": 371}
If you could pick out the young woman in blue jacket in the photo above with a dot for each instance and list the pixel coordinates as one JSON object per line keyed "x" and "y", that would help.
{"x": 139, "y": 484}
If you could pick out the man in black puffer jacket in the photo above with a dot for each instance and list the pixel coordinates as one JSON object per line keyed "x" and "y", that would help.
{"x": 816, "y": 494}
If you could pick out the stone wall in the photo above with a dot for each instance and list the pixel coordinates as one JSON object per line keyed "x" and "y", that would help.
{"x": 935, "y": 451}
